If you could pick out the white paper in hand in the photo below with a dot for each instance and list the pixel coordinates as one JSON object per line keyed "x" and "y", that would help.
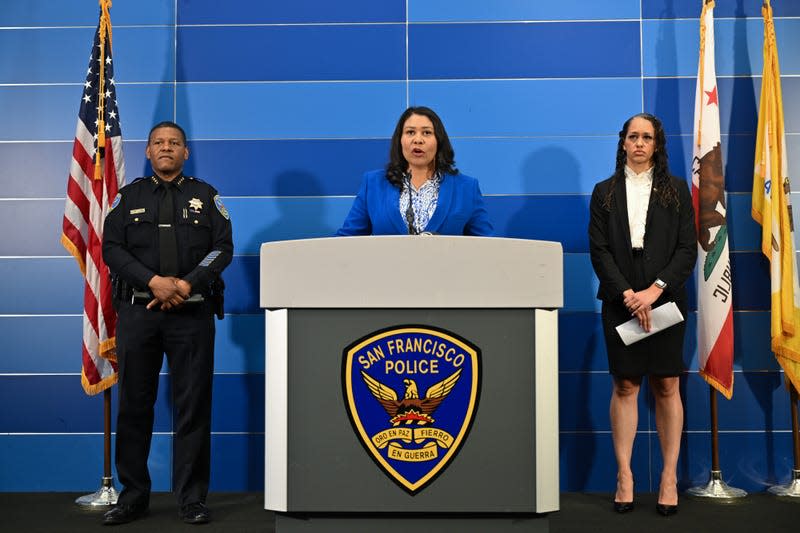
{"x": 661, "y": 318}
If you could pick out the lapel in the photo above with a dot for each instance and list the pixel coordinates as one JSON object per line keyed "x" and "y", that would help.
{"x": 446, "y": 191}
{"x": 392, "y": 207}
{"x": 621, "y": 201}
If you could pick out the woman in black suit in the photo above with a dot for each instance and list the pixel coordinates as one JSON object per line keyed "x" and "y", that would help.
{"x": 643, "y": 246}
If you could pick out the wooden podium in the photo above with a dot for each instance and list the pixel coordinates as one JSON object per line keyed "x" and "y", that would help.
{"x": 322, "y": 296}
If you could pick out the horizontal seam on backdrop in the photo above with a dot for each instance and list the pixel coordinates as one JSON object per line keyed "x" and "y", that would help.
{"x": 411, "y": 23}
{"x": 258, "y": 254}
{"x": 43, "y": 315}
{"x": 692, "y": 431}
{"x": 68, "y": 374}
{"x": 535, "y": 194}
{"x": 754, "y": 250}
{"x": 391, "y": 23}
{"x": 367, "y": 138}
{"x": 70, "y": 257}
{"x": 390, "y": 80}
{"x": 290, "y": 24}
{"x": 398, "y": 81}
{"x": 339, "y": 24}
{"x": 162, "y": 433}
{"x": 564, "y": 311}
{"x": 692, "y": 371}
{"x": 296, "y": 197}
{"x": 562, "y": 432}
{"x": 719, "y": 76}
{"x": 464, "y": 137}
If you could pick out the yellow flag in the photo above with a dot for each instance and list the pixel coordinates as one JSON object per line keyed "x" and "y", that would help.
{"x": 773, "y": 210}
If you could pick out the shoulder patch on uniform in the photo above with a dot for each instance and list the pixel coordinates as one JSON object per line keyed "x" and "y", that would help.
{"x": 115, "y": 203}
{"x": 221, "y": 207}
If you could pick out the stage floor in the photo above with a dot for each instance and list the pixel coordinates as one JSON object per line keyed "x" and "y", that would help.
{"x": 243, "y": 512}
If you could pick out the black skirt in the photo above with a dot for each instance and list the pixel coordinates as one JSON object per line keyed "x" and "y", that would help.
{"x": 660, "y": 354}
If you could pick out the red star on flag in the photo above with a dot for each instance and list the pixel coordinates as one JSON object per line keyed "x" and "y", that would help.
{"x": 712, "y": 96}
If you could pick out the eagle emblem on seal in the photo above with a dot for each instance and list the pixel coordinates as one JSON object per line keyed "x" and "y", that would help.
{"x": 411, "y": 409}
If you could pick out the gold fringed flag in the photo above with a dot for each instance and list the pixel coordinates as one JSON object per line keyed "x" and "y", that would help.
{"x": 96, "y": 174}
{"x": 772, "y": 209}
{"x": 714, "y": 284}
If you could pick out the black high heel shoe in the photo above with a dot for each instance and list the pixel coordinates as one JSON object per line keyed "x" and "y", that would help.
{"x": 623, "y": 507}
{"x": 666, "y": 510}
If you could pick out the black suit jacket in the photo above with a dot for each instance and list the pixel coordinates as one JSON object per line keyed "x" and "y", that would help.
{"x": 670, "y": 242}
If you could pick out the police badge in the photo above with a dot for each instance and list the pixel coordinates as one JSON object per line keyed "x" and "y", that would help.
{"x": 411, "y": 393}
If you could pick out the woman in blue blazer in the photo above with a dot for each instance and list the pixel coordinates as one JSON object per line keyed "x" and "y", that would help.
{"x": 420, "y": 191}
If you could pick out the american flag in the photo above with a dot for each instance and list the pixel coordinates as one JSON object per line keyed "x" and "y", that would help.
{"x": 96, "y": 173}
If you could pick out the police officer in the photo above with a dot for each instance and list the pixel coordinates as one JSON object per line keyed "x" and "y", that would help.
{"x": 166, "y": 240}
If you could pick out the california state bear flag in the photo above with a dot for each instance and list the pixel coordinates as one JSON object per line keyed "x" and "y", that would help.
{"x": 714, "y": 286}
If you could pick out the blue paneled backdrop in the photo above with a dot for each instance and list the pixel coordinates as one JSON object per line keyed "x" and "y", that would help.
{"x": 287, "y": 104}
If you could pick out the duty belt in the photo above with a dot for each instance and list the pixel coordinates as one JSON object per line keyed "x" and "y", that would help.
{"x": 145, "y": 297}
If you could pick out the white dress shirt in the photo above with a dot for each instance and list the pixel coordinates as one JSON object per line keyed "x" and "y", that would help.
{"x": 637, "y": 190}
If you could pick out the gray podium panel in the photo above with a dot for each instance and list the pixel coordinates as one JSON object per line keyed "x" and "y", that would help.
{"x": 350, "y": 272}
{"x": 328, "y": 468}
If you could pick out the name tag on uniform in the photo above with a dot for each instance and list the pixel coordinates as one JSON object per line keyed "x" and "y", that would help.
{"x": 137, "y": 211}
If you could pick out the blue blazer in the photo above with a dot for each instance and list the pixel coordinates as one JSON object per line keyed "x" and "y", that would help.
{"x": 376, "y": 210}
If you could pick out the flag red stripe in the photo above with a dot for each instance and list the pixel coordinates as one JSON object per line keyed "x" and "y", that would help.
{"x": 89, "y": 368}
{"x": 720, "y": 364}
{"x": 75, "y": 237}
{"x": 83, "y": 159}
{"x": 90, "y": 307}
{"x": 76, "y": 195}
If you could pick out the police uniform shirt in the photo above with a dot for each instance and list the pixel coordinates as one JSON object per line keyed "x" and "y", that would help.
{"x": 202, "y": 230}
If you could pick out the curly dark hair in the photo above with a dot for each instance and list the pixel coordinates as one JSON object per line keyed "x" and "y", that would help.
{"x": 665, "y": 192}
{"x": 444, "y": 161}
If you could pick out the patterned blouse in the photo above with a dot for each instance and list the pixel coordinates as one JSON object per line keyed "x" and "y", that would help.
{"x": 423, "y": 201}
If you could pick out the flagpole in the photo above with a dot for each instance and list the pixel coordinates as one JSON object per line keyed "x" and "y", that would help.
{"x": 778, "y": 227}
{"x": 104, "y": 183}
{"x": 106, "y": 495}
{"x": 792, "y": 490}
{"x": 714, "y": 310}
{"x": 716, "y": 487}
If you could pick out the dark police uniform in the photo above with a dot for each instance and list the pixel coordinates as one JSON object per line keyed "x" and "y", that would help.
{"x": 204, "y": 245}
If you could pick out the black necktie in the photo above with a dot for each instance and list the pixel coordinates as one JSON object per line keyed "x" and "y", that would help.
{"x": 168, "y": 246}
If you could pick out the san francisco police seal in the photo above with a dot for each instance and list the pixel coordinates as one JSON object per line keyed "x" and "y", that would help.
{"x": 411, "y": 393}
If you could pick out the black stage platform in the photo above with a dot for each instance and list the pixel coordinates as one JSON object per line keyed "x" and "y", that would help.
{"x": 243, "y": 512}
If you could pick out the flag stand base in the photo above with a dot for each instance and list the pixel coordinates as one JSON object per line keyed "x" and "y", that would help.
{"x": 717, "y": 489}
{"x": 104, "y": 497}
{"x": 792, "y": 490}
